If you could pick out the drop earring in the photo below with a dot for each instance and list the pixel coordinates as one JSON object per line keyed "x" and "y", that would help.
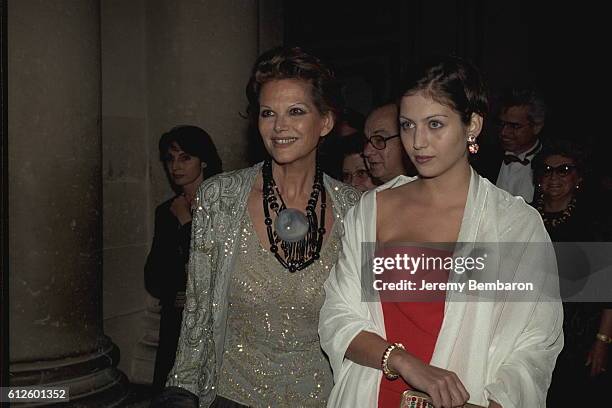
{"x": 472, "y": 145}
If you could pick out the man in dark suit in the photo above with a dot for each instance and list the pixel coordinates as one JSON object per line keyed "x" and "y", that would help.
{"x": 519, "y": 125}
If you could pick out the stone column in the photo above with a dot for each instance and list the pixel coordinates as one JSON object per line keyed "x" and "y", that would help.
{"x": 55, "y": 222}
{"x": 199, "y": 57}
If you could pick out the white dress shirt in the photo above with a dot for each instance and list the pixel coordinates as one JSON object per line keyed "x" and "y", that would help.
{"x": 517, "y": 178}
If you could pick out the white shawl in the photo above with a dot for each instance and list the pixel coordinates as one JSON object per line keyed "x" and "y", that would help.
{"x": 501, "y": 350}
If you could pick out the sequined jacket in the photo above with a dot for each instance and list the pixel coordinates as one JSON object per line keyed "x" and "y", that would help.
{"x": 219, "y": 207}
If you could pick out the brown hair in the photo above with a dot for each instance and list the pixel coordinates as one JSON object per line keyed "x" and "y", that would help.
{"x": 451, "y": 81}
{"x": 293, "y": 63}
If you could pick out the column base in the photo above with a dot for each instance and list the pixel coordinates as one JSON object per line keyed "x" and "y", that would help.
{"x": 93, "y": 379}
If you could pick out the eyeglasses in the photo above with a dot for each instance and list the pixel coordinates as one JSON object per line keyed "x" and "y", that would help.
{"x": 361, "y": 174}
{"x": 562, "y": 170}
{"x": 380, "y": 142}
{"x": 513, "y": 126}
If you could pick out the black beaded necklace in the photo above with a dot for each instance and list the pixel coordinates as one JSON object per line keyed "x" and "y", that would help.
{"x": 303, "y": 252}
{"x": 554, "y": 219}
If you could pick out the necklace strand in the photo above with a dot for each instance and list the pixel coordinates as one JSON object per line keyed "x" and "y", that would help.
{"x": 556, "y": 218}
{"x": 300, "y": 254}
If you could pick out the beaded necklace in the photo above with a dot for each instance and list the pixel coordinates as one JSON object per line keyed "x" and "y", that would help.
{"x": 298, "y": 235}
{"x": 556, "y": 218}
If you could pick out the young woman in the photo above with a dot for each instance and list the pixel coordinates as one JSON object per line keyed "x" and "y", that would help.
{"x": 490, "y": 352}
{"x": 264, "y": 240}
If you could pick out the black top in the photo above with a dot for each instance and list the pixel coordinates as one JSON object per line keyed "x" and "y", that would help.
{"x": 582, "y": 225}
{"x": 581, "y": 319}
{"x": 165, "y": 273}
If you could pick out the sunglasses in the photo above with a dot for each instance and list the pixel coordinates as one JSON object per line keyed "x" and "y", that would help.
{"x": 561, "y": 170}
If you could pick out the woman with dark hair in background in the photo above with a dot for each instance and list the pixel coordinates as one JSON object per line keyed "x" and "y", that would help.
{"x": 560, "y": 179}
{"x": 497, "y": 351}
{"x": 189, "y": 156}
{"x": 264, "y": 239}
{"x": 558, "y": 174}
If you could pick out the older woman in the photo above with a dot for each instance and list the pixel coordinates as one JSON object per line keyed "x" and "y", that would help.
{"x": 464, "y": 346}
{"x": 264, "y": 239}
{"x": 354, "y": 170}
{"x": 559, "y": 172}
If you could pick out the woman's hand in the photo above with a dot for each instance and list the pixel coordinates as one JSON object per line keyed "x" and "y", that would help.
{"x": 181, "y": 209}
{"x": 443, "y": 386}
{"x": 598, "y": 358}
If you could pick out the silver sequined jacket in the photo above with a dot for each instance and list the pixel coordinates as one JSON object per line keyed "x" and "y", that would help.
{"x": 219, "y": 207}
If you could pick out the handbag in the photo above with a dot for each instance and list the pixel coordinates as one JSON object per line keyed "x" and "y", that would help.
{"x": 416, "y": 399}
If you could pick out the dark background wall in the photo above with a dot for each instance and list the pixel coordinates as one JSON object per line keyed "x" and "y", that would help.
{"x": 560, "y": 48}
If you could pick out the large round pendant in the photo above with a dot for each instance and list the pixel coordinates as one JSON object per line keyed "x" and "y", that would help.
{"x": 291, "y": 225}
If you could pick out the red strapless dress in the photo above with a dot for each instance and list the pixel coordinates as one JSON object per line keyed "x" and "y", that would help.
{"x": 415, "y": 324}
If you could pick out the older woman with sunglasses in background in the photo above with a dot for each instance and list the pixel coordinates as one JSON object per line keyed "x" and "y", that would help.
{"x": 559, "y": 173}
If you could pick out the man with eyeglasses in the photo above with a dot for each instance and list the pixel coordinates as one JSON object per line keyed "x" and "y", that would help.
{"x": 384, "y": 153}
{"x": 519, "y": 126}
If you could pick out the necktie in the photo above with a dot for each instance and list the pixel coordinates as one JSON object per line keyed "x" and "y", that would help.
{"x": 510, "y": 158}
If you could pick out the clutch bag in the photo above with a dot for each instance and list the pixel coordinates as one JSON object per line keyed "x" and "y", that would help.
{"x": 415, "y": 399}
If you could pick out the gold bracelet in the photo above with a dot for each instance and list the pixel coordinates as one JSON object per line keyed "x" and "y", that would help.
{"x": 602, "y": 337}
{"x": 390, "y": 374}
